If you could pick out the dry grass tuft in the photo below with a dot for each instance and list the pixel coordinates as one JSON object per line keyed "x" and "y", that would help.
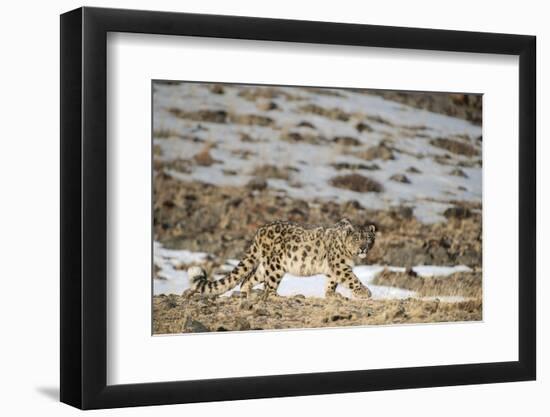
{"x": 298, "y": 137}
{"x": 222, "y": 116}
{"x": 356, "y": 182}
{"x": 197, "y": 314}
{"x": 217, "y": 89}
{"x": 273, "y": 171}
{"x": 381, "y": 151}
{"x": 251, "y": 119}
{"x": 459, "y": 212}
{"x": 164, "y": 133}
{"x": 346, "y": 140}
{"x": 464, "y": 284}
{"x": 334, "y": 114}
{"x": 455, "y": 146}
{"x": 204, "y": 158}
{"x": 211, "y": 116}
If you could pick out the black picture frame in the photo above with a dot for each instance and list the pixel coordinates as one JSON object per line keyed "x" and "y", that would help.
{"x": 84, "y": 207}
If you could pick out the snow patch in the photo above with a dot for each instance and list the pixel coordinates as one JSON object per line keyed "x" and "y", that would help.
{"x": 173, "y": 278}
{"x": 428, "y": 271}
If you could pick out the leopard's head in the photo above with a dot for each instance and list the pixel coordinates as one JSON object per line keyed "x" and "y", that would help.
{"x": 358, "y": 240}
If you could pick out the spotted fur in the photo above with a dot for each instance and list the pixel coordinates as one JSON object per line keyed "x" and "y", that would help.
{"x": 281, "y": 247}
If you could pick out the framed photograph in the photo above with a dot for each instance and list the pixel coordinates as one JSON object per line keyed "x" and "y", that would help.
{"x": 257, "y": 208}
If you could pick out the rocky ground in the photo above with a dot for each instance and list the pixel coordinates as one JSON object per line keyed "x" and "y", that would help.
{"x": 221, "y": 220}
{"x": 401, "y": 240}
{"x": 175, "y": 314}
{"x": 465, "y": 106}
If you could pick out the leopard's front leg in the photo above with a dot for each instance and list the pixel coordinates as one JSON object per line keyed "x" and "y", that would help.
{"x": 341, "y": 273}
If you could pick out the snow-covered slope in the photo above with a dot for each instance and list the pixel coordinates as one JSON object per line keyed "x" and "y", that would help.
{"x": 318, "y": 153}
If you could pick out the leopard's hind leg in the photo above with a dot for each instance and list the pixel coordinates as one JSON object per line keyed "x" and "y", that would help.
{"x": 252, "y": 280}
{"x": 273, "y": 275}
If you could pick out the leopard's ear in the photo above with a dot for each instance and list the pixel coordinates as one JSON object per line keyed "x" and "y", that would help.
{"x": 372, "y": 228}
{"x": 346, "y": 226}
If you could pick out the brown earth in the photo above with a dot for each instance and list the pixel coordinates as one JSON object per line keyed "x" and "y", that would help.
{"x": 176, "y": 314}
{"x": 455, "y": 146}
{"x": 356, "y": 182}
{"x": 222, "y": 220}
{"x": 462, "y": 284}
{"x": 464, "y": 106}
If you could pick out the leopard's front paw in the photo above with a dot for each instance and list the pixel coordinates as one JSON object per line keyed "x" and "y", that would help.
{"x": 269, "y": 294}
{"x": 363, "y": 293}
{"x": 333, "y": 295}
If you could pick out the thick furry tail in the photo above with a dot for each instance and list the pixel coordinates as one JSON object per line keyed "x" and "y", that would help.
{"x": 201, "y": 284}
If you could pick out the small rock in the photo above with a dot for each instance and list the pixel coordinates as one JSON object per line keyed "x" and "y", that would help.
{"x": 346, "y": 140}
{"x": 261, "y": 312}
{"x": 411, "y": 272}
{"x": 296, "y": 213}
{"x": 267, "y": 105}
{"x": 306, "y": 124}
{"x": 194, "y": 326}
{"x": 354, "y": 204}
{"x": 457, "y": 213}
{"x": 413, "y": 170}
{"x": 258, "y": 184}
{"x": 346, "y": 165}
{"x": 171, "y": 301}
{"x": 337, "y": 317}
{"x": 403, "y": 212}
{"x": 242, "y": 324}
{"x": 217, "y": 89}
{"x": 402, "y": 178}
{"x": 168, "y": 204}
{"x": 294, "y": 137}
{"x": 445, "y": 242}
{"x": 363, "y": 127}
{"x": 457, "y": 172}
{"x": 235, "y": 202}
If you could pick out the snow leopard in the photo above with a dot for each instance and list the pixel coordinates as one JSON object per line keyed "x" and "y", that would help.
{"x": 285, "y": 247}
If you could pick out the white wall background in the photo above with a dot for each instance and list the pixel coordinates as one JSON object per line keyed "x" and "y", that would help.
{"x": 29, "y": 225}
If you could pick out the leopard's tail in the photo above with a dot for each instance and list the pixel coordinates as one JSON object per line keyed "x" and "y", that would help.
{"x": 201, "y": 284}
